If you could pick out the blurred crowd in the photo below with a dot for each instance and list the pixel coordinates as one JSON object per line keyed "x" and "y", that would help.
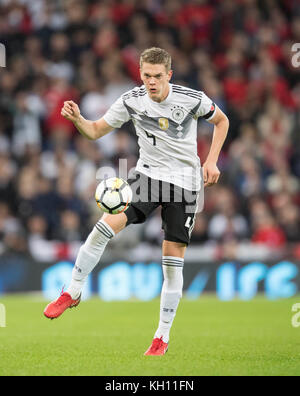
{"x": 239, "y": 52}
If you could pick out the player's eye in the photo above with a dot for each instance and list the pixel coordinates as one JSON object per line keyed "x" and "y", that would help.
{"x": 157, "y": 76}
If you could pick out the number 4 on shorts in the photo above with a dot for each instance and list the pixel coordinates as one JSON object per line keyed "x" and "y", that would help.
{"x": 188, "y": 222}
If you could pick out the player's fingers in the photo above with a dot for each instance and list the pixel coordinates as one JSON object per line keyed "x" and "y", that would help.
{"x": 74, "y": 107}
{"x": 204, "y": 175}
{"x": 66, "y": 110}
{"x": 210, "y": 178}
{"x": 73, "y": 104}
{"x": 208, "y": 181}
{"x": 67, "y": 106}
{"x": 214, "y": 179}
{"x": 66, "y": 114}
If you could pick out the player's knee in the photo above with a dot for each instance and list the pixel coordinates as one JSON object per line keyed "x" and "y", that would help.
{"x": 174, "y": 249}
{"x": 115, "y": 222}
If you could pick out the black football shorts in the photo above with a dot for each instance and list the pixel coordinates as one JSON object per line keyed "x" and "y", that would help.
{"x": 178, "y": 206}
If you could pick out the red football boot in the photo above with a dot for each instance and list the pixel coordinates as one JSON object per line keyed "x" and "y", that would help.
{"x": 58, "y": 307}
{"x": 157, "y": 348}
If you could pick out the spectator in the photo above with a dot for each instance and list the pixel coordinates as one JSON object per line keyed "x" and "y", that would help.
{"x": 68, "y": 229}
{"x": 227, "y": 223}
{"x": 200, "y": 234}
{"x": 26, "y": 131}
{"x": 289, "y": 220}
{"x": 267, "y": 231}
{"x": 37, "y": 228}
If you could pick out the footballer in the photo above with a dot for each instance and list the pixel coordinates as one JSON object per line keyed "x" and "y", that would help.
{"x": 165, "y": 119}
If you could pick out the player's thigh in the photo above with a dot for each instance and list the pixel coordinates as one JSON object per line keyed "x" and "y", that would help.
{"x": 178, "y": 221}
{"x": 145, "y": 198}
{"x": 117, "y": 222}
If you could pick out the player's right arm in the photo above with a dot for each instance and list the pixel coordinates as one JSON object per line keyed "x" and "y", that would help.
{"x": 90, "y": 129}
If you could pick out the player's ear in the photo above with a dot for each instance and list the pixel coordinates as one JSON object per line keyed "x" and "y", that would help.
{"x": 170, "y": 74}
{"x": 141, "y": 75}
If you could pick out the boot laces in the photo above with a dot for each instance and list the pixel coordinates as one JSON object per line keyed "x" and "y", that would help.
{"x": 63, "y": 297}
{"x": 157, "y": 342}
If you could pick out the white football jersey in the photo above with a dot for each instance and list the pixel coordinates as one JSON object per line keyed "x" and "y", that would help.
{"x": 167, "y": 132}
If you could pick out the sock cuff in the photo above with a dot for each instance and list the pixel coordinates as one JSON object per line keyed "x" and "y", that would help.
{"x": 172, "y": 261}
{"x": 105, "y": 229}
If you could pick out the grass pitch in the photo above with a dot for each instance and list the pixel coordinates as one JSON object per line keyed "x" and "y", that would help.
{"x": 209, "y": 337}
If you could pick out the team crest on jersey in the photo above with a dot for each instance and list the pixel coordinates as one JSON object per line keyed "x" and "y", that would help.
{"x": 178, "y": 114}
{"x": 163, "y": 123}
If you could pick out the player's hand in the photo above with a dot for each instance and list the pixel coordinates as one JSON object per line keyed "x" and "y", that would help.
{"x": 211, "y": 174}
{"x": 70, "y": 111}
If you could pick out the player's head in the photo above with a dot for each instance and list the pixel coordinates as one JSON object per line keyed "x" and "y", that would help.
{"x": 155, "y": 70}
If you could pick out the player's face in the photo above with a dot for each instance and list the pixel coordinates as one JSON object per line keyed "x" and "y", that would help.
{"x": 156, "y": 80}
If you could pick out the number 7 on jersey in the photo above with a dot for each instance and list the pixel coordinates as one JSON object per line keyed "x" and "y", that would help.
{"x": 150, "y": 136}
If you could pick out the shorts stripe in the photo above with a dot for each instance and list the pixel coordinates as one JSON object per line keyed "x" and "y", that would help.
{"x": 194, "y": 218}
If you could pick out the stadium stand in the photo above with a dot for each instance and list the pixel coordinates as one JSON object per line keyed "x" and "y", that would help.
{"x": 238, "y": 52}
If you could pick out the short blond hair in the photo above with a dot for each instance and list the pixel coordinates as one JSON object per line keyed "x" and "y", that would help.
{"x": 156, "y": 56}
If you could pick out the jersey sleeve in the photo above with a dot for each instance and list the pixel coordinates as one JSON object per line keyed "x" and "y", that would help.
{"x": 207, "y": 108}
{"x": 117, "y": 114}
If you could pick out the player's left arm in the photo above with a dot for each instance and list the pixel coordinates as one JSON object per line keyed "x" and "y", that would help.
{"x": 211, "y": 171}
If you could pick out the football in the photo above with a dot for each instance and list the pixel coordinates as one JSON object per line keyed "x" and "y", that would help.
{"x": 113, "y": 195}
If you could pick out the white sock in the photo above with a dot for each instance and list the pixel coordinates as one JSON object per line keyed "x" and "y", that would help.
{"x": 89, "y": 256}
{"x": 170, "y": 294}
